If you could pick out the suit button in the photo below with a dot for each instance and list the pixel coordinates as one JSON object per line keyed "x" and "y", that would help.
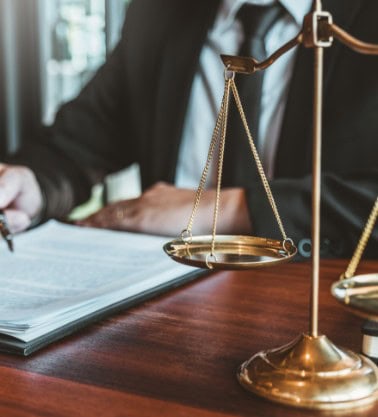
{"x": 304, "y": 247}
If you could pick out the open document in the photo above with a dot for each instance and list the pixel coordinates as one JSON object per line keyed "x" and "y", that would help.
{"x": 62, "y": 277}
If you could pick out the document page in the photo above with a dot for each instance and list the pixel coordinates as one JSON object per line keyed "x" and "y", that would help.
{"x": 60, "y": 272}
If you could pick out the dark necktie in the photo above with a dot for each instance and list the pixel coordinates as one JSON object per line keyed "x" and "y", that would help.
{"x": 239, "y": 167}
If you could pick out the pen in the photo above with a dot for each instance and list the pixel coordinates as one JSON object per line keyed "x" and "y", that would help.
{"x": 4, "y": 230}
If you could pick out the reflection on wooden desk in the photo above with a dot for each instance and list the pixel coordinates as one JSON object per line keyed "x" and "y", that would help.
{"x": 177, "y": 355}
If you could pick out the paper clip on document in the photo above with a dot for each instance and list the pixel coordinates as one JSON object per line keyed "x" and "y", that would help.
{"x": 4, "y": 230}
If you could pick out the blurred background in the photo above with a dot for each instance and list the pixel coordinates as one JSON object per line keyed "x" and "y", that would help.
{"x": 48, "y": 50}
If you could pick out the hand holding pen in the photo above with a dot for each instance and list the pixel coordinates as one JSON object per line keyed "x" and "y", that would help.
{"x": 21, "y": 197}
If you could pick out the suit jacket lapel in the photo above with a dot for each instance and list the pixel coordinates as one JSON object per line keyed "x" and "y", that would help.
{"x": 178, "y": 65}
{"x": 344, "y": 13}
{"x": 294, "y": 152}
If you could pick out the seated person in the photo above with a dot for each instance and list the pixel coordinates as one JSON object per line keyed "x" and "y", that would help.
{"x": 155, "y": 102}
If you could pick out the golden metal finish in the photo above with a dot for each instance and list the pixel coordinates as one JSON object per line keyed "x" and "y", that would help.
{"x": 369, "y": 226}
{"x": 230, "y": 252}
{"x": 256, "y": 157}
{"x": 314, "y": 30}
{"x": 220, "y": 134}
{"x": 316, "y": 6}
{"x": 358, "y": 294}
{"x": 352, "y": 42}
{"x": 316, "y": 187}
{"x": 219, "y": 130}
{"x": 249, "y": 65}
{"x": 311, "y": 372}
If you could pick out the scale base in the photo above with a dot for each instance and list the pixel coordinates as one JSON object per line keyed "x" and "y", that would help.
{"x": 311, "y": 372}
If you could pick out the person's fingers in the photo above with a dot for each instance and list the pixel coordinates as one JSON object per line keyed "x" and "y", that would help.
{"x": 101, "y": 219}
{"x": 18, "y": 221}
{"x": 20, "y": 190}
{"x": 117, "y": 216}
{"x": 10, "y": 185}
{"x": 95, "y": 220}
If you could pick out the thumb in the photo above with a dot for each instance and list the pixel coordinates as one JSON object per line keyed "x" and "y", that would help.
{"x": 17, "y": 220}
{"x": 10, "y": 186}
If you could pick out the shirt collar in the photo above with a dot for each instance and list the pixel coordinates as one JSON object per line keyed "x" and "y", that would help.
{"x": 297, "y": 9}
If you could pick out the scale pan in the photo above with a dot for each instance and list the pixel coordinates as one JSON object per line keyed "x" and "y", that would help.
{"x": 230, "y": 252}
{"x": 359, "y": 294}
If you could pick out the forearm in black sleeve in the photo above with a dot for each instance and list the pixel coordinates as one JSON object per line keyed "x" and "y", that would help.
{"x": 87, "y": 140}
{"x": 345, "y": 207}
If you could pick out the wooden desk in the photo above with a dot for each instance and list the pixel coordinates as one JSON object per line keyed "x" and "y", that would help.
{"x": 177, "y": 355}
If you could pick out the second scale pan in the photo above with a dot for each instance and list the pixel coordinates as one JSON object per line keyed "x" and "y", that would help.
{"x": 358, "y": 294}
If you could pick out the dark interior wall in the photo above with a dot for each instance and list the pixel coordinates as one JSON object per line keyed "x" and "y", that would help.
{"x": 22, "y": 51}
{"x": 19, "y": 74}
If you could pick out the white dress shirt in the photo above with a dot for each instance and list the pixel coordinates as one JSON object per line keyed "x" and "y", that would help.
{"x": 225, "y": 37}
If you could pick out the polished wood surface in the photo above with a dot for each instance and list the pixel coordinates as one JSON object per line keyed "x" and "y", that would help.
{"x": 177, "y": 355}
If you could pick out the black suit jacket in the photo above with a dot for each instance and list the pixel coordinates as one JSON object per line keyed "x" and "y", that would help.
{"x": 133, "y": 111}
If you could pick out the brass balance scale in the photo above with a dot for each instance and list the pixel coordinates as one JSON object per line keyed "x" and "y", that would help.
{"x": 309, "y": 372}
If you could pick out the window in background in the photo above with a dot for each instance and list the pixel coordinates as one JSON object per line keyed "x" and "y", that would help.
{"x": 75, "y": 37}
{"x": 20, "y": 80}
{"x": 49, "y": 49}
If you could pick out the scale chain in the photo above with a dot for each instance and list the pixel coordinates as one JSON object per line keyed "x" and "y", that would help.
{"x": 214, "y": 140}
{"x": 220, "y": 162}
{"x": 258, "y": 161}
{"x": 219, "y": 136}
{"x": 353, "y": 264}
